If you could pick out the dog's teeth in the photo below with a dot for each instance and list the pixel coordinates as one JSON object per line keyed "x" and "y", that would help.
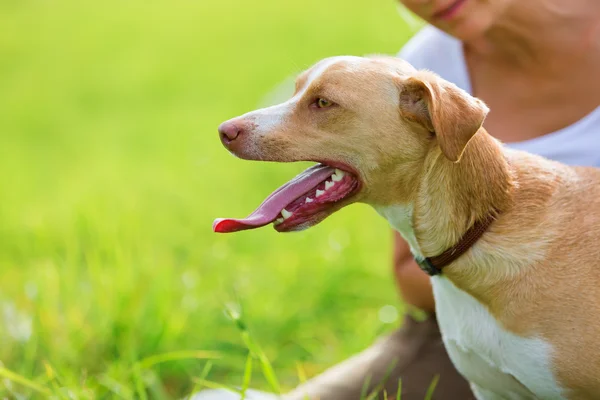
{"x": 329, "y": 185}
{"x": 338, "y": 175}
{"x": 308, "y": 200}
{"x": 319, "y": 193}
{"x": 286, "y": 214}
{"x": 278, "y": 221}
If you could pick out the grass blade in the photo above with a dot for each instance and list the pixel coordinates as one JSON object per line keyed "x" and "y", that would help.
{"x": 203, "y": 376}
{"x": 269, "y": 372}
{"x": 139, "y": 384}
{"x": 432, "y": 387}
{"x": 215, "y": 385}
{"x": 256, "y": 351}
{"x": 149, "y": 362}
{"x": 247, "y": 375}
{"x": 54, "y": 379}
{"x": 301, "y": 373}
{"x": 301, "y": 377}
{"x": 115, "y": 387}
{"x": 380, "y": 386}
{"x": 21, "y": 380}
{"x": 365, "y": 387}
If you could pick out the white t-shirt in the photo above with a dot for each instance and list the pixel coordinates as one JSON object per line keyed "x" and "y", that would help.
{"x": 577, "y": 144}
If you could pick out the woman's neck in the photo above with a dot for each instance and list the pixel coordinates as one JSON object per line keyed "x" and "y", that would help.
{"x": 542, "y": 35}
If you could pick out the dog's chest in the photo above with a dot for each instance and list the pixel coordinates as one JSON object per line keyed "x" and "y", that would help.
{"x": 499, "y": 363}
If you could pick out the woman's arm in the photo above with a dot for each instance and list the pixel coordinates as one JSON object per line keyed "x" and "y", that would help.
{"x": 414, "y": 284}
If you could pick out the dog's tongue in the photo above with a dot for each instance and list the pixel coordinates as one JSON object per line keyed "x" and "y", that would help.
{"x": 268, "y": 211}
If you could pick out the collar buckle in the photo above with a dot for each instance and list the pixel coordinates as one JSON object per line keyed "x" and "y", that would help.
{"x": 426, "y": 265}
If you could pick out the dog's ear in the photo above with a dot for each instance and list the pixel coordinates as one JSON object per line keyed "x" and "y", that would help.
{"x": 445, "y": 110}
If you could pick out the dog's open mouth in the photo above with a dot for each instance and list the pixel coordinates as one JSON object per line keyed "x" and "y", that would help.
{"x": 302, "y": 202}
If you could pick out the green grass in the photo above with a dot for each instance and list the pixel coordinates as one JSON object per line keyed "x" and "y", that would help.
{"x": 112, "y": 284}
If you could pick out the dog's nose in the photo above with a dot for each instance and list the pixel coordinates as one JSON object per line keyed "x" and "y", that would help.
{"x": 229, "y": 131}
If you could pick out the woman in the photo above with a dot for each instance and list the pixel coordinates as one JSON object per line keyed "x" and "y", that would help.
{"x": 536, "y": 64}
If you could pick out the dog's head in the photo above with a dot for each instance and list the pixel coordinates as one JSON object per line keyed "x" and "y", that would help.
{"x": 370, "y": 123}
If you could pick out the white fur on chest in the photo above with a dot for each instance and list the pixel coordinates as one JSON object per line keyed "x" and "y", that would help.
{"x": 400, "y": 218}
{"x": 500, "y": 364}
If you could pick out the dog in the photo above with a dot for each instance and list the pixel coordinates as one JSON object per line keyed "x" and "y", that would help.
{"x": 511, "y": 240}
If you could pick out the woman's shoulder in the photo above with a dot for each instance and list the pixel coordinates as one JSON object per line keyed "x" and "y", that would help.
{"x": 439, "y": 52}
{"x": 420, "y": 48}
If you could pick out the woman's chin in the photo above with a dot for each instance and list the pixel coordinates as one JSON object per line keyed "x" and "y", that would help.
{"x": 469, "y": 27}
{"x": 468, "y": 30}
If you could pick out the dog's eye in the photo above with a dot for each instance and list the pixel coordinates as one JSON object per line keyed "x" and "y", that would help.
{"x": 323, "y": 103}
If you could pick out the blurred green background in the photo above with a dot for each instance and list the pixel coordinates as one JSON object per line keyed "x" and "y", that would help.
{"x": 111, "y": 173}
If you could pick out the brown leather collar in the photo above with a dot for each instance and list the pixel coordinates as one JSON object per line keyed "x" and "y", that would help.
{"x": 434, "y": 265}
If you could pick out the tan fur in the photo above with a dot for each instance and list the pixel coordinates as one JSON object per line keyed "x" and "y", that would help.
{"x": 443, "y": 110}
{"x": 413, "y": 138}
